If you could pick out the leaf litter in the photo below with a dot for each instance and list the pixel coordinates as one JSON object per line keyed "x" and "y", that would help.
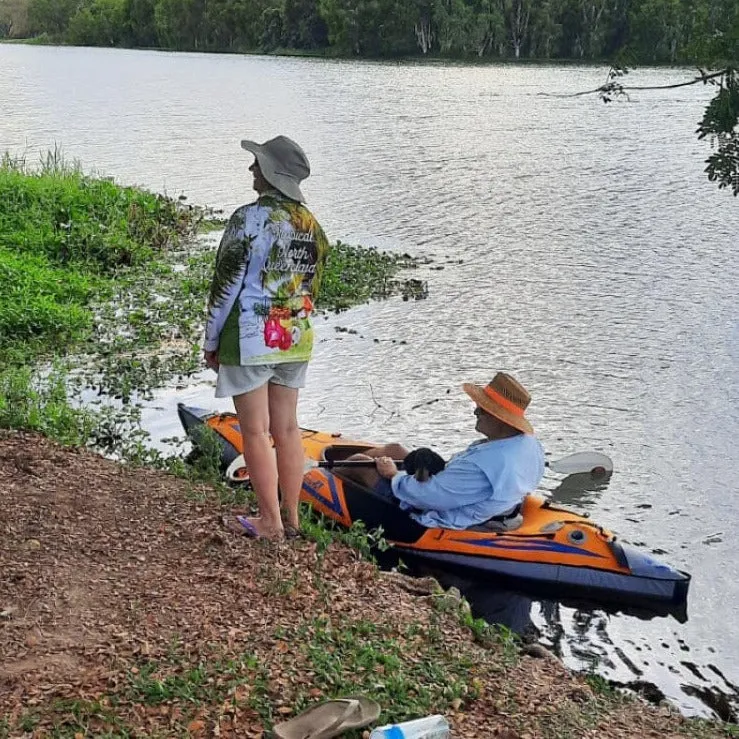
{"x": 126, "y": 611}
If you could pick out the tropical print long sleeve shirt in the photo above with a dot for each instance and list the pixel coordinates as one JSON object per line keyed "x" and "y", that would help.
{"x": 267, "y": 274}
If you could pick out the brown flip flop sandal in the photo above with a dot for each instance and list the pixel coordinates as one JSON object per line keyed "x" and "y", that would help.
{"x": 329, "y": 719}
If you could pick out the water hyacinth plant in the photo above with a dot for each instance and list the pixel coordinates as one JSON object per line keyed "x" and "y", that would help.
{"x": 63, "y": 236}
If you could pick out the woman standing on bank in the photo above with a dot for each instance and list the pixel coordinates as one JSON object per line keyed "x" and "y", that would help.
{"x": 258, "y": 335}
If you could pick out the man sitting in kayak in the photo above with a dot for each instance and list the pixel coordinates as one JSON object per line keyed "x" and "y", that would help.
{"x": 485, "y": 484}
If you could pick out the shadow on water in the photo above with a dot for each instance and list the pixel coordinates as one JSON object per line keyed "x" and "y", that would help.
{"x": 581, "y": 489}
{"x": 577, "y": 633}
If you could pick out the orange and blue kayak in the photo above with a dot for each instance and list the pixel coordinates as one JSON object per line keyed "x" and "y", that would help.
{"x": 554, "y": 553}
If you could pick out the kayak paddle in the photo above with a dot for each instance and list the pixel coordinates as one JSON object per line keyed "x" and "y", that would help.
{"x": 593, "y": 462}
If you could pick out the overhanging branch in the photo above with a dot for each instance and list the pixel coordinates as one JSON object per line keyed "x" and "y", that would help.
{"x": 612, "y": 87}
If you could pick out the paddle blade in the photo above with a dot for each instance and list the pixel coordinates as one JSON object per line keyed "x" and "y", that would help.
{"x": 593, "y": 462}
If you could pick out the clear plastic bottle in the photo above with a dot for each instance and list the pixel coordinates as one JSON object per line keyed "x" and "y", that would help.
{"x": 428, "y": 727}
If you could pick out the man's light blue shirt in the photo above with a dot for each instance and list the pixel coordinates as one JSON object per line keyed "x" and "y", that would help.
{"x": 486, "y": 479}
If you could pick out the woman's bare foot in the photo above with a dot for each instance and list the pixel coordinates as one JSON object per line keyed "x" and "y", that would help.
{"x": 289, "y": 520}
{"x": 266, "y": 529}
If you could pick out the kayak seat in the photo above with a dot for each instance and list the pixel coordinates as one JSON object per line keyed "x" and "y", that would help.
{"x": 508, "y": 521}
{"x": 508, "y": 524}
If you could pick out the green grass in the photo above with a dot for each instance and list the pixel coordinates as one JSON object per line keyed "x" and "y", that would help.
{"x": 191, "y": 685}
{"x": 600, "y": 684}
{"x": 64, "y": 236}
{"x": 362, "y": 656}
{"x": 324, "y": 532}
{"x": 38, "y": 300}
{"x": 57, "y": 212}
{"x": 42, "y": 407}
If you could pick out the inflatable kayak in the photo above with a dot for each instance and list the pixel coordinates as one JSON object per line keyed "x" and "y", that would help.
{"x": 555, "y": 551}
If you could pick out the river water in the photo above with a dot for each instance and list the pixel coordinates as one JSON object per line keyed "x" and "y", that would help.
{"x": 575, "y": 244}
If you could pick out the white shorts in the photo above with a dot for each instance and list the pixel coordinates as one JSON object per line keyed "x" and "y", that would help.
{"x": 243, "y": 378}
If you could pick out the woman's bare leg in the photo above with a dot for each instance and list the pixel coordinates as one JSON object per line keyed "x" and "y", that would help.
{"x": 283, "y": 425}
{"x": 252, "y": 409}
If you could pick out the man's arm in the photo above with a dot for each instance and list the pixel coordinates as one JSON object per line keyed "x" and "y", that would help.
{"x": 460, "y": 484}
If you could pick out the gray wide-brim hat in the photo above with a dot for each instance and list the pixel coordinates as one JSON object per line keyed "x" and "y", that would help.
{"x": 283, "y": 164}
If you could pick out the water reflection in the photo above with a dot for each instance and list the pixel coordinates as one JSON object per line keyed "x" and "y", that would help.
{"x": 583, "y": 639}
{"x": 581, "y": 489}
{"x": 499, "y": 603}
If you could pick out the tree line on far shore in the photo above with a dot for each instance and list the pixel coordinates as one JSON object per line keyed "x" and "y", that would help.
{"x": 647, "y": 31}
{"x": 704, "y": 33}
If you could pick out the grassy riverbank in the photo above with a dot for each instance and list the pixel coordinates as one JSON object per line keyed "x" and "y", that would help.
{"x": 63, "y": 239}
{"x": 125, "y": 611}
{"x": 117, "y": 278}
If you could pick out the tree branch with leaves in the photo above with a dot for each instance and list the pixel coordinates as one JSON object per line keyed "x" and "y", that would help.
{"x": 720, "y": 122}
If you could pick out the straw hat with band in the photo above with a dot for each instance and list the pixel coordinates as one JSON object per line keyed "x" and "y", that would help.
{"x": 283, "y": 164}
{"x": 504, "y": 398}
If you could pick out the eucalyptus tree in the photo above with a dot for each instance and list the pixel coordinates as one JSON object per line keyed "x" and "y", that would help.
{"x": 451, "y": 19}
{"x": 141, "y": 29}
{"x": 370, "y": 27}
{"x": 424, "y": 26}
{"x": 489, "y": 32}
{"x": 517, "y": 15}
{"x": 545, "y": 34}
{"x": 467, "y": 28}
{"x": 179, "y": 23}
{"x": 344, "y": 23}
{"x": 658, "y": 29}
{"x": 97, "y": 23}
{"x": 595, "y": 16}
{"x": 303, "y": 26}
{"x": 272, "y": 29}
